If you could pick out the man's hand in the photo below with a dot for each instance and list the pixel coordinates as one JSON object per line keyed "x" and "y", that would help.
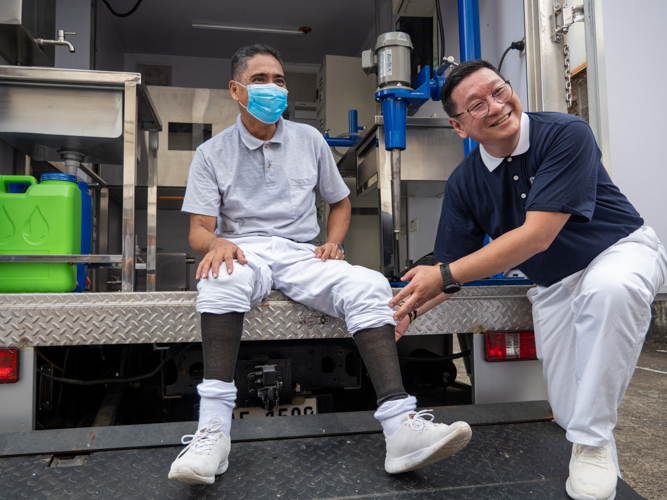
{"x": 425, "y": 284}
{"x": 329, "y": 251}
{"x": 402, "y": 327}
{"x": 220, "y": 251}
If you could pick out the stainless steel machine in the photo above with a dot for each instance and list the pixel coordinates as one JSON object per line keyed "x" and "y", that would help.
{"x": 433, "y": 150}
{"x": 86, "y": 116}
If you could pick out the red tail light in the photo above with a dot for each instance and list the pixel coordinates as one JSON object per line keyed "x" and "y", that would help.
{"x": 9, "y": 365}
{"x": 510, "y": 346}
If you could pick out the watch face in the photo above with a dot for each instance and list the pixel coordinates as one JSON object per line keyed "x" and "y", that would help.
{"x": 451, "y": 288}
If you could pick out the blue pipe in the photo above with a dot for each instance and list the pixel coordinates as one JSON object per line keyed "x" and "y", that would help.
{"x": 469, "y": 42}
{"x": 352, "y": 123}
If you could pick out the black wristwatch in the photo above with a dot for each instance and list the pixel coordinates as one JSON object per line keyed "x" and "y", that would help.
{"x": 449, "y": 286}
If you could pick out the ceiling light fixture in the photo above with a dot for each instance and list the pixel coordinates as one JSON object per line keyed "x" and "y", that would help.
{"x": 301, "y": 31}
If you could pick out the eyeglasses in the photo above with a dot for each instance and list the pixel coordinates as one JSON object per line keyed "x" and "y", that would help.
{"x": 480, "y": 109}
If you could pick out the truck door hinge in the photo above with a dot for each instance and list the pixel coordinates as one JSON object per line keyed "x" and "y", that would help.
{"x": 567, "y": 16}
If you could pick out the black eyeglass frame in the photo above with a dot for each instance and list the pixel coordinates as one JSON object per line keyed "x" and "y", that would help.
{"x": 488, "y": 108}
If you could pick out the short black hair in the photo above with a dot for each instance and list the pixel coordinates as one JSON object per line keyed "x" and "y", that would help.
{"x": 240, "y": 59}
{"x": 457, "y": 75}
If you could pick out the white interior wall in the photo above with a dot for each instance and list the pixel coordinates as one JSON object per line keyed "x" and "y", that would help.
{"x": 502, "y": 23}
{"x": 75, "y": 16}
{"x": 635, "y": 76}
{"x": 191, "y": 72}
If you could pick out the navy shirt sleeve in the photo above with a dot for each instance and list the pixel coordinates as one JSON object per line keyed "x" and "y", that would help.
{"x": 458, "y": 232}
{"x": 566, "y": 178}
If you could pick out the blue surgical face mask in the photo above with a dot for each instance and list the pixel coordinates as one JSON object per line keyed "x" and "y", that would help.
{"x": 266, "y": 101}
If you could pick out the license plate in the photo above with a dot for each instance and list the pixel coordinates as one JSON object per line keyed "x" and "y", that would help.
{"x": 308, "y": 407}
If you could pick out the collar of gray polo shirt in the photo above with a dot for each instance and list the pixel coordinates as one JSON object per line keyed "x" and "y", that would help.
{"x": 253, "y": 142}
{"x": 492, "y": 162}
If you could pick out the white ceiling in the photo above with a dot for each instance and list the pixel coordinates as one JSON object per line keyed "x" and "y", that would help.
{"x": 165, "y": 26}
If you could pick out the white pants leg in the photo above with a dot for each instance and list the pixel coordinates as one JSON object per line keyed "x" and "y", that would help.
{"x": 589, "y": 331}
{"x": 245, "y": 287}
{"x": 335, "y": 287}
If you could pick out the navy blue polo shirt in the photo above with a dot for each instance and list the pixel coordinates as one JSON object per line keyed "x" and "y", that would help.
{"x": 560, "y": 171}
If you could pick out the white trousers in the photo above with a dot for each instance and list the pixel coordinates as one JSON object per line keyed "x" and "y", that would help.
{"x": 589, "y": 331}
{"x": 335, "y": 287}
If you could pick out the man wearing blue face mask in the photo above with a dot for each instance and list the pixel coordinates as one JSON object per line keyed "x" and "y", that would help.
{"x": 251, "y": 198}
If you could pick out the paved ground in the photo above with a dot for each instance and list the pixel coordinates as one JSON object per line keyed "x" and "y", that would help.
{"x": 641, "y": 432}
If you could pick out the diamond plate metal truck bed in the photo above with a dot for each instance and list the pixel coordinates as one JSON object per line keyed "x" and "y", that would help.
{"x": 30, "y": 320}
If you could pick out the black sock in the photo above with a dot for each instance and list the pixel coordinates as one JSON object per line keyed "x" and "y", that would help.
{"x": 377, "y": 347}
{"x": 221, "y": 339}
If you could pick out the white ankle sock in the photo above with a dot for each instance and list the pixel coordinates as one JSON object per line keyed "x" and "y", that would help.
{"x": 390, "y": 414}
{"x": 218, "y": 399}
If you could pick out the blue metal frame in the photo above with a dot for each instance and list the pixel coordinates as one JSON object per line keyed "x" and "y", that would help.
{"x": 469, "y": 41}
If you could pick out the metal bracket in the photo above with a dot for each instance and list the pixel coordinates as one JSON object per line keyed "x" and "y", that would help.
{"x": 568, "y": 16}
{"x": 266, "y": 384}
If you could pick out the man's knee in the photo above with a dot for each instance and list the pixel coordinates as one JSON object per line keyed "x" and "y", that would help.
{"x": 227, "y": 292}
{"x": 371, "y": 285}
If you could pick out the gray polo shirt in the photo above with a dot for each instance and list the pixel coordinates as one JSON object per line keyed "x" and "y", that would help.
{"x": 263, "y": 188}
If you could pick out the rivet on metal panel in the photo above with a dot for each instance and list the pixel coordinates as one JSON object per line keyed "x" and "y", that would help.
{"x": 24, "y": 342}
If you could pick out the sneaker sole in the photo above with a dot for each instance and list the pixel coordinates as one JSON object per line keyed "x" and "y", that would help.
{"x": 583, "y": 496}
{"x": 444, "y": 448}
{"x": 189, "y": 476}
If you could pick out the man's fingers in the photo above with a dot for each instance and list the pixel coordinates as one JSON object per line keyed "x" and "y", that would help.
{"x": 229, "y": 263}
{"x": 240, "y": 256}
{"x": 402, "y": 312}
{"x": 199, "y": 269}
{"x": 318, "y": 252}
{"x": 326, "y": 252}
{"x": 410, "y": 274}
{"x": 205, "y": 266}
{"x": 405, "y": 292}
{"x": 215, "y": 266}
{"x": 401, "y": 328}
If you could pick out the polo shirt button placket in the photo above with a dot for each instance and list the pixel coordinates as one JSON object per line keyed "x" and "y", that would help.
{"x": 268, "y": 171}
{"x": 523, "y": 195}
{"x": 509, "y": 160}
{"x": 516, "y": 177}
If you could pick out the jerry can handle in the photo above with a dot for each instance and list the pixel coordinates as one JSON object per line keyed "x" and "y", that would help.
{"x": 17, "y": 179}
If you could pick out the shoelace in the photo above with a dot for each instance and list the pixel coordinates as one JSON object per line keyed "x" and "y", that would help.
{"x": 593, "y": 455}
{"x": 202, "y": 442}
{"x": 419, "y": 419}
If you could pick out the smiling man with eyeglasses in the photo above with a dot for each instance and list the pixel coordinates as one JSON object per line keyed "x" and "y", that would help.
{"x": 536, "y": 185}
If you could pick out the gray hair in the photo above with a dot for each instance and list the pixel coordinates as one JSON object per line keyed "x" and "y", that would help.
{"x": 240, "y": 59}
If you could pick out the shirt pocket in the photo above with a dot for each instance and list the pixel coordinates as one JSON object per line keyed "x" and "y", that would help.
{"x": 302, "y": 194}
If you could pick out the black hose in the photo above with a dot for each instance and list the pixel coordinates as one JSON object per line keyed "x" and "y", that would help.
{"x": 126, "y": 14}
{"x": 519, "y": 45}
{"x": 500, "y": 65}
{"x": 125, "y": 380}
{"x": 441, "y": 27}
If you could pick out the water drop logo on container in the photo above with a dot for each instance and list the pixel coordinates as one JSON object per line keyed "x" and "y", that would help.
{"x": 36, "y": 228}
{"x": 7, "y": 227}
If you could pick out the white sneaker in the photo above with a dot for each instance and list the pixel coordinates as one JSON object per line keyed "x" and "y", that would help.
{"x": 592, "y": 473}
{"x": 204, "y": 457}
{"x": 419, "y": 442}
